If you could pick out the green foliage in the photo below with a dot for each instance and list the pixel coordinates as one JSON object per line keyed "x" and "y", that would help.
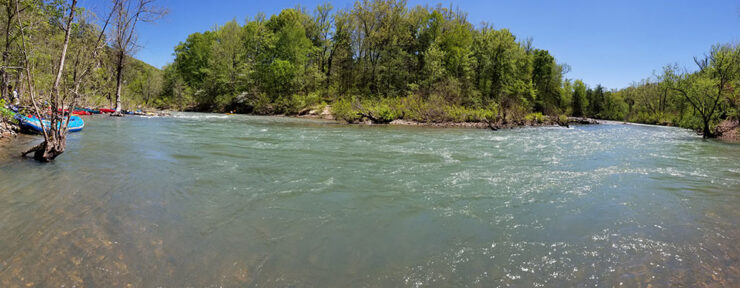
{"x": 292, "y": 105}
{"x": 342, "y": 110}
{"x": 377, "y": 49}
{"x": 381, "y": 60}
{"x": 6, "y": 114}
{"x": 546, "y": 78}
{"x": 562, "y": 118}
{"x": 696, "y": 100}
{"x": 262, "y": 105}
{"x": 579, "y": 103}
{"x": 43, "y": 39}
{"x": 535, "y": 118}
{"x": 464, "y": 114}
{"x": 413, "y": 108}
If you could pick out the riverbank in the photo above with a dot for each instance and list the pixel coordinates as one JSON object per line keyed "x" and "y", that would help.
{"x": 727, "y": 130}
{"x": 7, "y": 129}
{"x": 532, "y": 120}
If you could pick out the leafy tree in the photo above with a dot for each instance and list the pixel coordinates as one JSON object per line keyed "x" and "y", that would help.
{"x": 546, "y": 79}
{"x": 579, "y": 98}
{"x": 595, "y": 101}
{"x": 704, "y": 89}
{"x": 192, "y": 56}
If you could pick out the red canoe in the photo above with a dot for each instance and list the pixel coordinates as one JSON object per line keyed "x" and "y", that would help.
{"x": 104, "y": 110}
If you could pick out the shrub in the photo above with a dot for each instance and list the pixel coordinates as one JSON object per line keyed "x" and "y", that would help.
{"x": 342, "y": 109}
{"x": 463, "y": 114}
{"x": 261, "y": 104}
{"x": 647, "y": 118}
{"x": 6, "y": 114}
{"x": 562, "y": 119}
{"x": 535, "y": 118}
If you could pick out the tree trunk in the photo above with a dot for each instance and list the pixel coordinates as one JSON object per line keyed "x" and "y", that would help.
{"x": 119, "y": 81}
{"x": 19, "y": 86}
{"x": 48, "y": 150}
{"x": 707, "y": 133}
{"x": 4, "y": 71}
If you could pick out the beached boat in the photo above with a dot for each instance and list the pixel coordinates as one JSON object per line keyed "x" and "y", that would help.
{"x": 92, "y": 111}
{"x": 81, "y": 112}
{"x": 106, "y": 110}
{"x": 32, "y": 123}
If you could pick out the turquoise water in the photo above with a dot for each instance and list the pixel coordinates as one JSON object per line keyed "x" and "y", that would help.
{"x": 207, "y": 200}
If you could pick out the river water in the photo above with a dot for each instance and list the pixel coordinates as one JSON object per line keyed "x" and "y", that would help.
{"x": 208, "y": 200}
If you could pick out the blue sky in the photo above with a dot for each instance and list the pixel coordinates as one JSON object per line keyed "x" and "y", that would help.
{"x": 609, "y": 42}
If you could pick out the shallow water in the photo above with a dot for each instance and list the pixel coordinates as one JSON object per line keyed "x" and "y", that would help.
{"x": 207, "y": 200}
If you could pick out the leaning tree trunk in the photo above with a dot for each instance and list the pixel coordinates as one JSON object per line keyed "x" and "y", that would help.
{"x": 49, "y": 149}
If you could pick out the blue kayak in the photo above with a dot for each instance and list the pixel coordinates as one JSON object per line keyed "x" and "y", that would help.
{"x": 75, "y": 123}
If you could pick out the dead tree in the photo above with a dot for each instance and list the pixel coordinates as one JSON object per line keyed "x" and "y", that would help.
{"x": 128, "y": 13}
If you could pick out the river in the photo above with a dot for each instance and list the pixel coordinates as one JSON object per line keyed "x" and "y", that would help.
{"x": 208, "y": 200}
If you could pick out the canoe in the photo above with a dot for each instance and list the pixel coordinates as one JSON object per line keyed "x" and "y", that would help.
{"x": 81, "y": 112}
{"x": 32, "y": 123}
{"x": 105, "y": 110}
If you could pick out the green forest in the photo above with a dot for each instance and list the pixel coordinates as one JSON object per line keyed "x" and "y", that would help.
{"x": 43, "y": 31}
{"x": 382, "y": 60}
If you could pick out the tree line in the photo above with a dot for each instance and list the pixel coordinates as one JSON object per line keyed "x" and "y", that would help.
{"x": 375, "y": 51}
{"x": 384, "y": 60}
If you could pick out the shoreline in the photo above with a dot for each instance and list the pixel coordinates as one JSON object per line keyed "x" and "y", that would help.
{"x": 729, "y": 135}
{"x": 9, "y": 131}
{"x": 470, "y": 125}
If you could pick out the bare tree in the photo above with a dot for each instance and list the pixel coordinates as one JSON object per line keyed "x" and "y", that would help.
{"x": 55, "y": 136}
{"x": 127, "y": 14}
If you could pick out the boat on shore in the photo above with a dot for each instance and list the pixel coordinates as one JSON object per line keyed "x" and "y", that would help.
{"x": 31, "y": 123}
{"x": 91, "y": 111}
{"x": 81, "y": 113}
